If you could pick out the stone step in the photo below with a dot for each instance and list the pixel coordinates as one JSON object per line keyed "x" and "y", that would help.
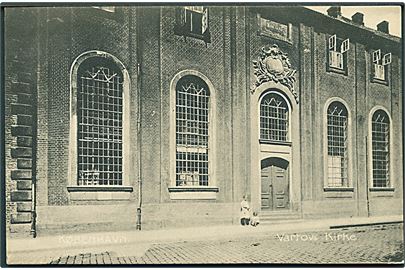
{"x": 280, "y": 221}
{"x": 278, "y": 213}
{"x": 279, "y": 216}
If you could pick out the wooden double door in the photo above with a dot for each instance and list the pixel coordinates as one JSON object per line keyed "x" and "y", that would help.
{"x": 274, "y": 184}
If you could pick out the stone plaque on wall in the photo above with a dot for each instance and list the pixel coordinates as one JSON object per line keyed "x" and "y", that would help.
{"x": 275, "y": 30}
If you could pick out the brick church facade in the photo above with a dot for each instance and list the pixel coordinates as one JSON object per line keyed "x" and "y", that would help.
{"x": 149, "y": 117}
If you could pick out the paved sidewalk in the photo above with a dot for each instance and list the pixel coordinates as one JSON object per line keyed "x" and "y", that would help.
{"x": 371, "y": 244}
{"x": 135, "y": 243}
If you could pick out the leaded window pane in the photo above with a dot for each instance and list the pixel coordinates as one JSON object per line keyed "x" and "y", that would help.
{"x": 99, "y": 112}
{"x": 192, "y": 122}
{"x": 337, "y": 145}
{"x": 273, "y": 118}
{"x": 380, "y": 147}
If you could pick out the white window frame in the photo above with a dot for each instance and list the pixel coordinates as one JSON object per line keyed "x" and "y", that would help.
{"x": 332, "y": 42}
{"x": 345, "y": 46}
{"x": 376, "y": 56}
{"x": 387, "y": 59}
{"x": 109, "y": 9}
{"x": 201, "y": 10}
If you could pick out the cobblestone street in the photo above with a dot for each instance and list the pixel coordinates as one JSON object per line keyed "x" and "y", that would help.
{"x": 376, "y": 244}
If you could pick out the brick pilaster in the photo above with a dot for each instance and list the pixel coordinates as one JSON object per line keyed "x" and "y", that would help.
{"x": 20, "y": 87}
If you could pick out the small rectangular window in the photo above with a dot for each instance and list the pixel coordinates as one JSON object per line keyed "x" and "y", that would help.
{"x": 379, "y": 72}
{"x": 380, "y": 66}
{"x": 337, "y": 54}
{"x": 336, "y": 59}
{"x": 193, "y": 21}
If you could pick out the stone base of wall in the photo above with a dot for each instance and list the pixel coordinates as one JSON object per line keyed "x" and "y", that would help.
{"x": 329, "y": 208}
{"x": 386, "y": 206}
{"x": 19, "y": 230}
{"x": 189, "y": 214}
{"x": 337, "y": 208}
{"x": 89, "y": 218}
{"x": 351, "y": 208}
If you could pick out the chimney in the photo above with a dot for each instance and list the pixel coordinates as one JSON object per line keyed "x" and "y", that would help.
{"x": 358, "y": 18}
{"x": 335, "y": 11}
{"x": 383, "y": 27}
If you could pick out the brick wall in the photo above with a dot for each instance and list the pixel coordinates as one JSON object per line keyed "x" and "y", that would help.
{"x": 72, "y": 32}
{"x": 212, "y": 60}
{"x": 42, "y": 111}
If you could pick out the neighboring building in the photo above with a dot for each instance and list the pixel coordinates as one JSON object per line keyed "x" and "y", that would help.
{"x": 183, "y": 110}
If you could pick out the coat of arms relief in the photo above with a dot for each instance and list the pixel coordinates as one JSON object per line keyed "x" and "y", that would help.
{"x": 274, "y": 65}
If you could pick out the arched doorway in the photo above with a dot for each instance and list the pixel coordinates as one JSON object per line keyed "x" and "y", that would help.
{"x": 274, "y": 184}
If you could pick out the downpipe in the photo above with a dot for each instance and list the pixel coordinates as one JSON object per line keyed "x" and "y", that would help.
{"x": 33, "y": 231}
{"x": 139, "y": 139}
{"x": 367, "y": 176}
{"x": 139, "y": 207}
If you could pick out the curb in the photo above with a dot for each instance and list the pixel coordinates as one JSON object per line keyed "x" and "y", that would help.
{"x": 365, "y": 224}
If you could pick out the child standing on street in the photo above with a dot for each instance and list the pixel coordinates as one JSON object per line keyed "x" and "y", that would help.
{"x": 244, "y": 212}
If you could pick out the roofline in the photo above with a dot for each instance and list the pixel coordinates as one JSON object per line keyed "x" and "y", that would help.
{"x": 349, "y": 22}
{"x": 324, "y": 23}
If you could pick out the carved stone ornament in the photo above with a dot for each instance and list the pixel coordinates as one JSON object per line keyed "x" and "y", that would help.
{"x": 274, "y": 65}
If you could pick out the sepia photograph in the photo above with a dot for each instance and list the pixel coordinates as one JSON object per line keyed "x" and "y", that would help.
{"x": 202, "y": 134}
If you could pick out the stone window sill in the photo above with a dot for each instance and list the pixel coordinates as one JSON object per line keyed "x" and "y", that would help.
{"x": 99, "y": 193}
{"x": 382, "y": 189}
{"x": 381, "y": 192}
{"x": 193, "y": 193}
{"x": 336, "y": 70}
{"x": 338, "y": 192}
{"x": 379, "y": 81}
{"x": 263, "y": 141}
{"x": 338, "y": 189}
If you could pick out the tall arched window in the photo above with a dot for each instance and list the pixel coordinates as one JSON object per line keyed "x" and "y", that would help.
{"x": 99, "y": 122}
{"x": 192, "y": 131}
{"x": 380, "y": 146}
{"x": 273, "y": 118}
{"x": 337, "y": 122}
